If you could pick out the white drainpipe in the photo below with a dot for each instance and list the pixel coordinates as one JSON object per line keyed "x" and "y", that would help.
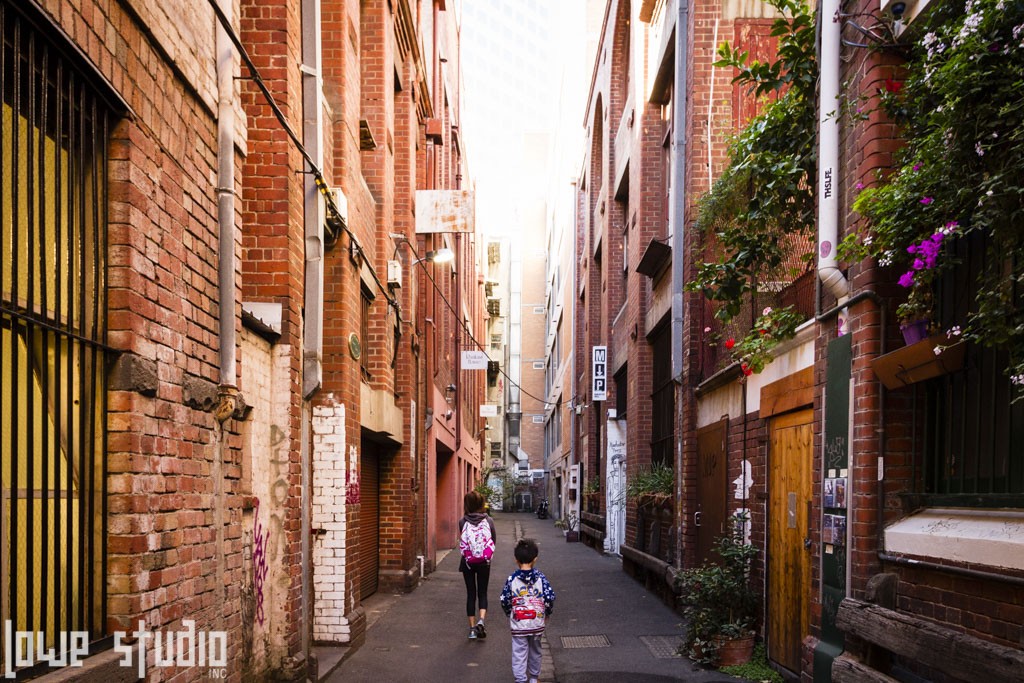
{"x": 314, "y": 214}
{"x": 229, "y": 397}
{"x": 677, "y": 192}
{"x": 828, "y": 153}
{"x": 314, "y": 210}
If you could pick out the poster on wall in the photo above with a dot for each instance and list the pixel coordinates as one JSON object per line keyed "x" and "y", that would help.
{"x": 833, "y": 530}
{"x": 834, "y": 493}
{"x": 615, "y": 486}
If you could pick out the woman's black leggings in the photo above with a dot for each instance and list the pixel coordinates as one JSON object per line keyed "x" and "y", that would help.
{"x": 476, "y": 579}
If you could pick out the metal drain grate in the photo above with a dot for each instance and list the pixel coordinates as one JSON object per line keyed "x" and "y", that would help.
{"x": 663, "y": 647}
{"x": 576, "y": 642}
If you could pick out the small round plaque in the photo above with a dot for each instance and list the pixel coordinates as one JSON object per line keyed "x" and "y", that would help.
{"x": 354, "y": 347}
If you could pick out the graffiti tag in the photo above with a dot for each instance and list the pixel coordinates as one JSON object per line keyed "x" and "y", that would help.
{"x": 259, "y": 561}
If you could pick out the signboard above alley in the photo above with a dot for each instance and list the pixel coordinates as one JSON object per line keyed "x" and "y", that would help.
{"x": 474, "y": 360}
{"x": 445, "y": 211}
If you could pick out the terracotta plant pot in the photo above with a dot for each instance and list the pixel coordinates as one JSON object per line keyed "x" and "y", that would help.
{"x": 735, "y": 651}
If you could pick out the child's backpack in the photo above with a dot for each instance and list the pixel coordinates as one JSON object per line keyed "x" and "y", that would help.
{"x": 528, "y": 612}
{"x": 476, "y": 542}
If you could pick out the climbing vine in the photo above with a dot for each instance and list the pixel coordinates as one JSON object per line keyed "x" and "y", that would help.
{"x": 762, "y": 206}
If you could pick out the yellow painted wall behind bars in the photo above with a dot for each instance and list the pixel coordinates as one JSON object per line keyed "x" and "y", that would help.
{"x": 45, "y": 384}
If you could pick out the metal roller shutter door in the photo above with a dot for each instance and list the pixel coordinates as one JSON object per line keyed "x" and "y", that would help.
{"x": 369, "y": 521}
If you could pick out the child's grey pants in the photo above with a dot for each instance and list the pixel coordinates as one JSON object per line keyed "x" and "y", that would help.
{"x": 526, "y": 657}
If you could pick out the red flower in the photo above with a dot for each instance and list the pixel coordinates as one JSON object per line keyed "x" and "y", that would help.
{"x": 892, "y": 86}
{"x": 764, "y": 331}
{"x": 747, "y": 372}
{"x": 730, "y": 342}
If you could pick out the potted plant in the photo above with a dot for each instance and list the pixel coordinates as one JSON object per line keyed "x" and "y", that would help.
{"x": 651, "y": 485}
{"x": 721, "y": 605}
{"x": 568, "y": 525}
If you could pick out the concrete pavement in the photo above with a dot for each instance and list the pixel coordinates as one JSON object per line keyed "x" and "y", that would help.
{"x": 605, "y": 626}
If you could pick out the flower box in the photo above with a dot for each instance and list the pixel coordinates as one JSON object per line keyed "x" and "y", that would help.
{"x": 918, "y": 362}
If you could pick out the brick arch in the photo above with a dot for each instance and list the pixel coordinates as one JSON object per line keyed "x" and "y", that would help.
{"x": 621, "y": 61}
{"x": 597, "y": 149}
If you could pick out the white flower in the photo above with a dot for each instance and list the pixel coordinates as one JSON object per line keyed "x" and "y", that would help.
{"x": 1017, "y": 379}
{"x": 706, "y": 330}
{"x": 766, "y": 311}
{"x": 953, "y": 331}
{"x": 933, "y": 45}
{"x": 989, "y": 193}
{"x": 868, "y": 241}
{"x": 979, "y": 149}
{"x": 970, "y": 26}
{"x": 938, "y": 350}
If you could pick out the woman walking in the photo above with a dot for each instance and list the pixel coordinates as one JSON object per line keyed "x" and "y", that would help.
{"x": 476, "y": 542}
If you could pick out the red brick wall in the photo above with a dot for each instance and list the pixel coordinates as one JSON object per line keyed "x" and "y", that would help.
{"x": 273, "y": 244}
{"x": 165, "y": 560}
{"x": 989, "y": 609}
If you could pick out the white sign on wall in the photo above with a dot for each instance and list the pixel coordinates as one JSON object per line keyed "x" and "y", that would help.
{"x": 599, "y": 374}
{"x": 474, "y": 360}
{"x": 488, "y": 410}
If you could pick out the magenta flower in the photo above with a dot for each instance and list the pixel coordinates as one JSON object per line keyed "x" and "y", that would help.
{"x": 907, "y": 279}
{"x": 917, "y": 167}
{"x": 926, "y": 200}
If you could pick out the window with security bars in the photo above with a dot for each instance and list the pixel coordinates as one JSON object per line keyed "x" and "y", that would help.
{"x": 53, "y": 284}
{"x": 365, "y": 300}
{"x": 662, "y": 399}
{"x": 972, "y": 432}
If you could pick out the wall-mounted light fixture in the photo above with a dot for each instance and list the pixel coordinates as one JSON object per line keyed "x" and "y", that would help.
{"x": 443, "y": 255}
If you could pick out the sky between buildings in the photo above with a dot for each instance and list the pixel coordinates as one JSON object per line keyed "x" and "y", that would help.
{"x": 527, "y": 72}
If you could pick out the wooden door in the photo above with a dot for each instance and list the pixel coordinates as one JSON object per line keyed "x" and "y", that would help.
{"x": 369, "y": 519}
{"x": 789, "y": 555}
{"x": 711, "y": 474}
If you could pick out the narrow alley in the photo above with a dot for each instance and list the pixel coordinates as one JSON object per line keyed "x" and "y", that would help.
{"x": 605, "y": 627}
{"x": 732, "y": 291}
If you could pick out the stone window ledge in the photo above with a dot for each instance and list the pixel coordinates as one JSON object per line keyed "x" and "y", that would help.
{"x": 993, "y": 538}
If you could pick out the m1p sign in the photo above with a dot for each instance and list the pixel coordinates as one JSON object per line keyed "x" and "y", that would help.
{"x": 599, "y": 374}
{"x": 474, "y": 360}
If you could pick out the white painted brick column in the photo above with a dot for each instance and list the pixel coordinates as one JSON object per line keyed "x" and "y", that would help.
{"x": 329, "y": 490}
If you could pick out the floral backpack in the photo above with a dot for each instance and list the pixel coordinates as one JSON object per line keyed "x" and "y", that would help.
{"x": 476, "y": 542}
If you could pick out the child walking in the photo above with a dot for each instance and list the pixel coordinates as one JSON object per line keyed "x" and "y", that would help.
{"x": 527, "y": 599}
{"x": 476, "y": 542}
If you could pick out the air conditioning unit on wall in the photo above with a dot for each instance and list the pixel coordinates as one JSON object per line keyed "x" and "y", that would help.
{"x": 394, "y": 273}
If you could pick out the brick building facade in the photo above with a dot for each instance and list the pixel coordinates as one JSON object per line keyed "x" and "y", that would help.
{"x": 217, "y": 322}
{"x": 797, "y": 446}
